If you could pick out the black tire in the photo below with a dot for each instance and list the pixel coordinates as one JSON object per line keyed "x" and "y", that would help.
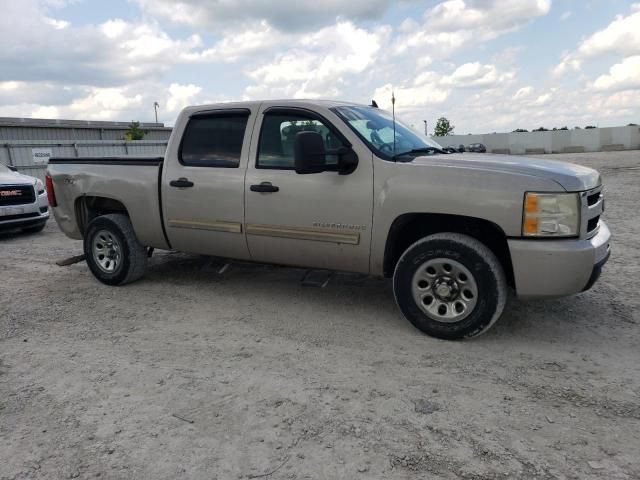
{"x": 132, "y": 258}
{"x": 477, "y": 259}
{"x": 34, "y": 228}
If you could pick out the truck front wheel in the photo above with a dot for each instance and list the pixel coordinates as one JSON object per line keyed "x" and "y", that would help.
{"x": 450, "y": 286}
{"x": 112, "y": 250}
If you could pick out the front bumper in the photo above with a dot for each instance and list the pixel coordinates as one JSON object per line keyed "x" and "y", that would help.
{"x": 20, "y": 216}
{"x": 556, "y": 268}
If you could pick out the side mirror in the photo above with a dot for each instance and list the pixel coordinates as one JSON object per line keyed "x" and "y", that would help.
{"x": 309, "y": 155}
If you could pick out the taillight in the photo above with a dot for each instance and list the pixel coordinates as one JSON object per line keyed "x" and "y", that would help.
{"x": 51, "y": 194}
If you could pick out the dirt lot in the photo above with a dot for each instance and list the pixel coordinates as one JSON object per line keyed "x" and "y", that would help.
{"x": 192, "y": 374}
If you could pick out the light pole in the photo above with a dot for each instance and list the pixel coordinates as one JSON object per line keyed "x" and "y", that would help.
{"x": 426, "y": 134}
{"x": 156, "y": 105}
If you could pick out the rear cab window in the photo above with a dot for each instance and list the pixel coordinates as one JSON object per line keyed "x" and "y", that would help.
{"x": 214, "y": 139}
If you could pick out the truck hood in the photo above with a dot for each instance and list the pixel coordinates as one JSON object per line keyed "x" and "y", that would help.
{"x": 15, "y": 178}
{"x": 571, "y": 177}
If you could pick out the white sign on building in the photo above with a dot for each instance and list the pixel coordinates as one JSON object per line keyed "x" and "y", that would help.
{"x": 41, "y": 156}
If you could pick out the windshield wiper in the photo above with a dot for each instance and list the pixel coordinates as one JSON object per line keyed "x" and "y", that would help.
{"x": 419, "y": 150}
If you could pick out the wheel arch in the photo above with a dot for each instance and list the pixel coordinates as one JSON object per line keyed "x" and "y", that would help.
{"x": 410, "y": 227}
{"x": 88, "y": 207}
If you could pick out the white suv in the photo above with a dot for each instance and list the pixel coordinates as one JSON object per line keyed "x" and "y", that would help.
{"x": 23, "y": 201}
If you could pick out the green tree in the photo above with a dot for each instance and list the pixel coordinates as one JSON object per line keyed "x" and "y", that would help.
{"x": 443, "y": 127}
{"x": 135, "y": 132}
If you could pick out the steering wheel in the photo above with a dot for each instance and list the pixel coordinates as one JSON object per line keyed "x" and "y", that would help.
{"x": 379, "y": 144}
{"x": 375, "y": 139}
{"x": 386, "y": 148}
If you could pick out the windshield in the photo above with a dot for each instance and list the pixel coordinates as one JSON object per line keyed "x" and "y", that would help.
{"x": 375, "y": 127}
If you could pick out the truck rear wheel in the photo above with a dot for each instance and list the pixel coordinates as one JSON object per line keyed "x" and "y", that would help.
{"x": 112, "y": 250}
{"x": 450, "y": 286}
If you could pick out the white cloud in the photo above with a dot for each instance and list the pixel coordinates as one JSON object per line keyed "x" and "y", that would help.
{"x": 453, "y": 24}
{"x": 36, "y": 47}
{"x": 474, "y": 75}
{"x": 253, "y": 39}
{"x": 495, "y": 110}
{"x": 621, "y": 36}
{"x": 489, "y": 18}
{"x": 46, "y": 112}
{"x": 181, "y": 96}
{"x": 566, "y": 15}
{"x": 411, "y": 98}
{"x": 622, "y": 76}
{"x": 131, "y": 102}
{"x": 287, "y": 15}
{"x": 523, "y": 92}
{"x": 320, "y": 65}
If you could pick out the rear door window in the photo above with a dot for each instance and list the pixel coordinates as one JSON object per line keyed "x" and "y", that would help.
{"x": 214, "y": 140}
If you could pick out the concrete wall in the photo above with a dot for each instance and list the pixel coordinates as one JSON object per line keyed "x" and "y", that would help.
{"x": 559, "y": 141}
{"x": 20, "y": 153}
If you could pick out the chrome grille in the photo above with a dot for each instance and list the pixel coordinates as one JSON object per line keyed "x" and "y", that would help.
{"x": 592, "y": 202}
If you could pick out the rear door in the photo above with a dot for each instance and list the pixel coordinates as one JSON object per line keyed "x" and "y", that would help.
{"x": 321, "y": 220}
{"x": 203, "y": 183}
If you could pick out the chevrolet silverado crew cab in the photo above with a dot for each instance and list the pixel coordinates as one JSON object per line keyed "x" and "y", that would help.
{"x": 23, "y": 201}
{"x": 339, "y": 186}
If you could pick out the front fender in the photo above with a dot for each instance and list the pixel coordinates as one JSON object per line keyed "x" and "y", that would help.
{"x": 403, "y": 188}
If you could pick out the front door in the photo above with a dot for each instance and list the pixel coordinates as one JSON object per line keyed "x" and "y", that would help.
{"x": 203, "y": 185}
{"x": 320, "y": 220}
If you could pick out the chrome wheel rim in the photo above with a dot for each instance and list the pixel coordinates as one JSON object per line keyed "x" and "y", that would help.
{"x": 445, "y": 290}
{"x": 106, "y": 251}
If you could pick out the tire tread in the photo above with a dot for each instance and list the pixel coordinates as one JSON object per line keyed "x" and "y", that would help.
{"x": 482, "y": 250}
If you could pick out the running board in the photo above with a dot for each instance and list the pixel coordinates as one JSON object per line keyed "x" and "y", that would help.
{"x": 70, "y": 261}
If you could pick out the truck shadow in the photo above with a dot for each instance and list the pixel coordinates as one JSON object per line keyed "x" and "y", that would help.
{"x": 352, "y": 298}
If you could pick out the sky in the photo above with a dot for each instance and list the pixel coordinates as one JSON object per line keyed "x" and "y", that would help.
{"x": 486, "y": 65}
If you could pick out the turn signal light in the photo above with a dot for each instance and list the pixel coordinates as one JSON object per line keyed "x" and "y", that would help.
{"x": 531, "y": 203}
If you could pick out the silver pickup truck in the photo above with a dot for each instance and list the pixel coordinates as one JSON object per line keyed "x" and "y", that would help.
{"x": 339, "y": 186}
{"x": 23, "y": 201}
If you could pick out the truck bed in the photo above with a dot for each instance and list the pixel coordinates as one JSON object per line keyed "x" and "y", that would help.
{"x": 80, "y": 182}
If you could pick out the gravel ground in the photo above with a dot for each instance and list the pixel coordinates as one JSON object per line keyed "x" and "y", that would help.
{"x": 192, "y": 374}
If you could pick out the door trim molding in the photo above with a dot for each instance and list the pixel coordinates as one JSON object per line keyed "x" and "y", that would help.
{"x": 303, "y": 233}
{"x": 216, "y": 226}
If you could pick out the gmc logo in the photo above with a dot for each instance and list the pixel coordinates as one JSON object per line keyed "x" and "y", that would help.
{"x": 10, "y": 193}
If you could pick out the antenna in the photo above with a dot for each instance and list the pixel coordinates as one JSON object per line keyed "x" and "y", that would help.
{"x": 156, "y": 105}
{"x": 373, "y": 104}
{"x": 393, "y": 111}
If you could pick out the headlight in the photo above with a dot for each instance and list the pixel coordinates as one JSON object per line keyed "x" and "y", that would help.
{"x": 39, "y": 187}
{"x": 551, "y": 215}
